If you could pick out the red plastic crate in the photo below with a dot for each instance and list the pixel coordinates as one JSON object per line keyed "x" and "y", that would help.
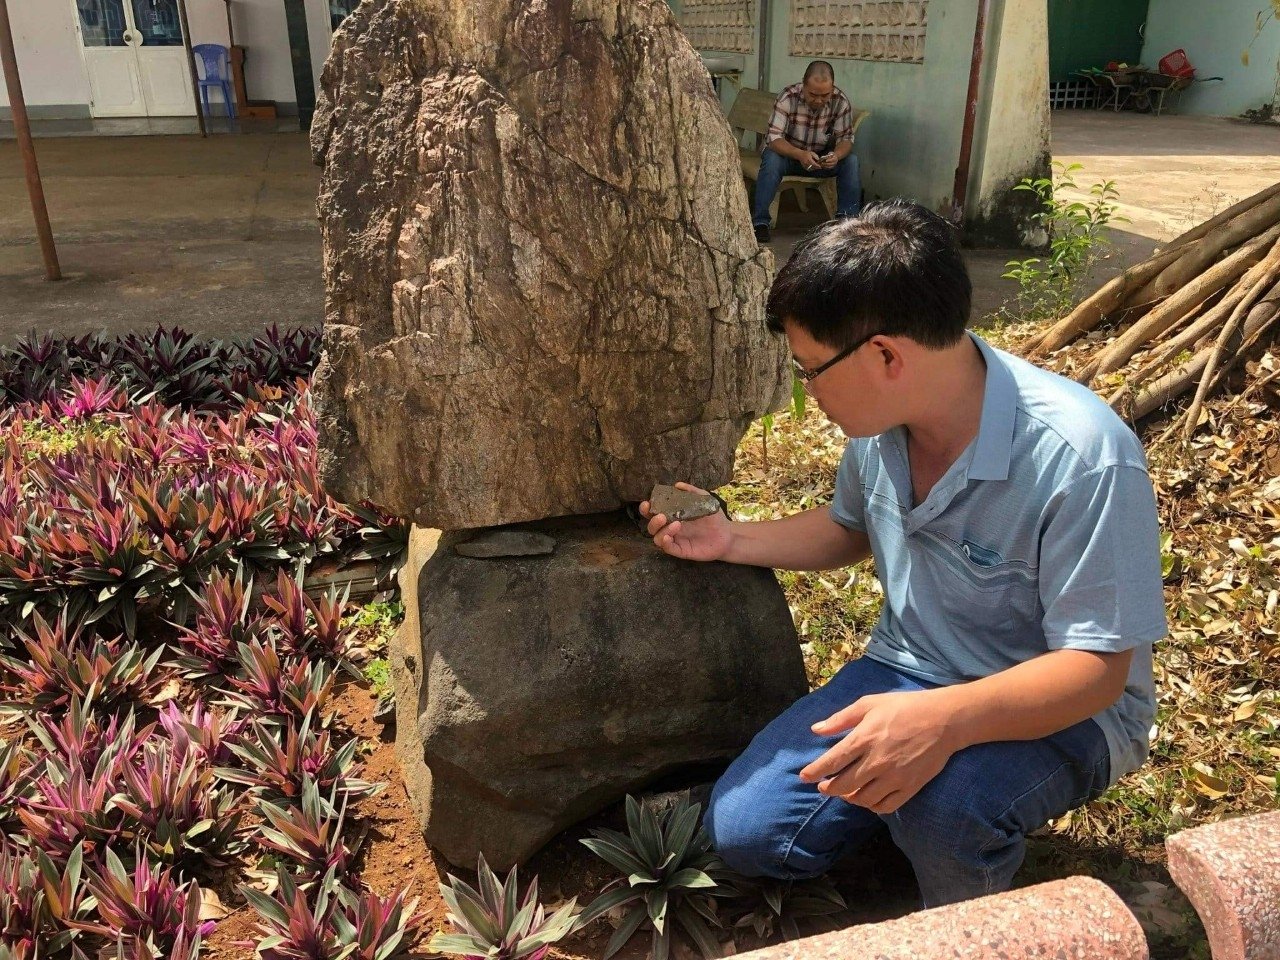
{"x": 1176, "y": 64}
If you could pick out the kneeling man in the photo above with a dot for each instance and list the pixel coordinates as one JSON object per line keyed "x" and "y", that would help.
{"x": 1014, "y": 530}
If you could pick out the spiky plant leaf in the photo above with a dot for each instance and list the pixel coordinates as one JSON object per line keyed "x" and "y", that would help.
{"x": 495, "y": 922}
{"x": 669, "y": 875}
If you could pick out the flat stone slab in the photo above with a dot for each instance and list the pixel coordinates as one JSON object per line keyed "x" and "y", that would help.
{"x": 677, "y": 504}
{"x": 506, "y": 543}
{"x": 1079, "y": 917}
{"x": 1230, "y": 871}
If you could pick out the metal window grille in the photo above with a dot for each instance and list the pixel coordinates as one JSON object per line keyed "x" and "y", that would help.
{"x": 727, "y": 25}
{"x": 1072, "y": 95}
{"x": 858, "y": 30}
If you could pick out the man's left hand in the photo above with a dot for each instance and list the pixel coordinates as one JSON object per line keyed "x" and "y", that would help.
{"x": 899, "y": 742}
{"x": 829, "y": 160}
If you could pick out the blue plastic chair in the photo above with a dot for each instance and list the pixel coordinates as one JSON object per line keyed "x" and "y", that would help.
{"x": 217, "y": 69}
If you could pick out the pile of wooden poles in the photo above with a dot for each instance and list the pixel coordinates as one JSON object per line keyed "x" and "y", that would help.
{"x": 1185, "y": 317}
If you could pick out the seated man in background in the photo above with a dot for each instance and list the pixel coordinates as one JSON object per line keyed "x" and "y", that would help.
{"x": 810, "y": 135}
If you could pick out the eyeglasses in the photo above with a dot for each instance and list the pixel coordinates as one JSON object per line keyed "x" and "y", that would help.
{"x": 807, "y": 376}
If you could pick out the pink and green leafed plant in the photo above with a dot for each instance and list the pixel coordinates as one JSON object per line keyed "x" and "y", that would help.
{"x": 224, "y": 620}
{"x": 89, "y": 398}
{"x": 147, "y": 909}
{"x": 269, "y": 686}
{"x": 17, "y": 772}
{"x": 196, "y": 730}
{"x": 38, "y": 901}
{"x": 494, "y": 923}
{"x": 275, "y": 763}
{"x": 327, "y": 921}
{"x": 311, "y": 627}
{"x": 62, "y": 664}
{"x": 76, "y": 804}
{"x": 309, "y": 836}
{"x": 173, "y": 808}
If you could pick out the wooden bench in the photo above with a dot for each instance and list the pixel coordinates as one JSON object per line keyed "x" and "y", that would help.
{"x": 750, "y": 114}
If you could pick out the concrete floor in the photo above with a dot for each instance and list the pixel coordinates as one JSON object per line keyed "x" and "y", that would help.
{"x": 220, "y": 234}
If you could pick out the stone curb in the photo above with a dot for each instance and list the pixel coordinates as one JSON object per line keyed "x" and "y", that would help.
{"x": 1078, "y": 917}
{"x": 1230, "y": 871}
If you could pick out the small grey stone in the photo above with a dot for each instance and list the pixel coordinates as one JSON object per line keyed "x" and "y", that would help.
{"x": 677, "y": 504}
{"x": 507, "y": 543}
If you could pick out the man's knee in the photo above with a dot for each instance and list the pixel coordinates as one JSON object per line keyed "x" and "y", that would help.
{"x": 773, "y": 162}
{"x": 951, "y": 816}
{"x": 739, "y": 831}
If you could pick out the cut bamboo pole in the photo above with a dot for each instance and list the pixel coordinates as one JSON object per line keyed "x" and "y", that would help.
{"x": 1178, "y": 381}
{"x": 1198, "y": 258}
{"x": 1101, "y": 304}
{"x": 1229, "y": 331}
{"x": 1233, "y": 211}
{"x": 1202, "y": 327}
{"x": 1155, "y": 323}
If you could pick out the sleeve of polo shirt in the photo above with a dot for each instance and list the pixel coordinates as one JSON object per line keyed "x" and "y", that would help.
{"x": 782, "y": 110}
{"x": 846, "y": 503}
{"x": 1100, "y": 581}
{"x": 842, "y": 128}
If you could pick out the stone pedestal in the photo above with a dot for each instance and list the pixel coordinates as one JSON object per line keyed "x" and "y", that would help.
{"x": 542, "y": 689}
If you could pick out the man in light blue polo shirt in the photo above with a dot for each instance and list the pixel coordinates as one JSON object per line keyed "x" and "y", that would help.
{"x": 1014, "y": 531}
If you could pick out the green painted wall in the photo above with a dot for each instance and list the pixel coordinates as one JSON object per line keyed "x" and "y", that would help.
{"x": 1214, "y": 45}
{"x": 1090, "y": 33}
{"x": 751, "y": 61}
{"x": 909, "y": 144}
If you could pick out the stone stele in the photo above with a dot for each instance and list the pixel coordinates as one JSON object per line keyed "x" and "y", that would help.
{"x": 543, "y": 293}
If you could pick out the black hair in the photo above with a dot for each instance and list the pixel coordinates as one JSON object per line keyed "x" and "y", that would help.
{"x": 896, "y": 270}
{"x": 821, "y": 69}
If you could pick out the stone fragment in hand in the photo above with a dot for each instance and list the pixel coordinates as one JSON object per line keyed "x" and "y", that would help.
{"x": 677, "y": 504}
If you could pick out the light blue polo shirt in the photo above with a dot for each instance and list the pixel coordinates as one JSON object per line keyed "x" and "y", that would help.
{"x": 1042, "y": 536}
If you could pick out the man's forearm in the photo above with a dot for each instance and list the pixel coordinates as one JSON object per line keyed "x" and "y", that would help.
{"x": 782, "y": 147}
{"x": 803, "y": 541}
{"x": 1034, "y": 699}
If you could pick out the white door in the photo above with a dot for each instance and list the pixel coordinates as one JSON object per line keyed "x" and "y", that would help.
{"x": 135, "y": 58}
{"x": 106, "y": 33}
{"x": 162, "y": 58}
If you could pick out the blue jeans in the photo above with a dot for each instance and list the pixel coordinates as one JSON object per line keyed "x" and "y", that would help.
{"x": 964, "y": 832}
{"x": 774, "y": 166}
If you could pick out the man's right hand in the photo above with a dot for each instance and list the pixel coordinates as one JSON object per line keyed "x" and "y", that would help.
{"x": 707, "y": 538}
{"x": 810, "y": 160}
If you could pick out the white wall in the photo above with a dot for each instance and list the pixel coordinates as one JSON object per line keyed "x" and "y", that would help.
{"x": 48, "y": 51}
{"x": 1214, "y": 45}
{"x": 260, "y": 29}
{"x": 53, "y": 71}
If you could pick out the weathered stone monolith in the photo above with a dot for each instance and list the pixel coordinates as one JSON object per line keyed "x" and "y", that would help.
{"x": 543, "y": 290}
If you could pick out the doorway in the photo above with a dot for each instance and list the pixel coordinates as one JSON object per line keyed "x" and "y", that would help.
{"x": 135, "y": 58}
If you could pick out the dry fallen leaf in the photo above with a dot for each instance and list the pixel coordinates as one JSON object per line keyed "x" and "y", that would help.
{"x": 211, "y": 906}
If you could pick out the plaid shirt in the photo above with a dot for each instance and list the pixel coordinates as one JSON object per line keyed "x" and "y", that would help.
{"x": 804, "y": 128}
